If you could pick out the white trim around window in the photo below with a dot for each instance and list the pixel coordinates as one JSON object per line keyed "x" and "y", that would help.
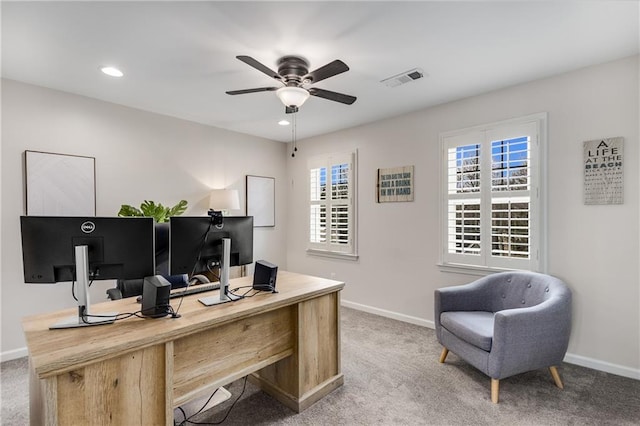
{"x": 331, "y": 200}
{"x": 493, "y": 197}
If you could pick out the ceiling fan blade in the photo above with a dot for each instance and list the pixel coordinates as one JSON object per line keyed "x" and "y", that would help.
{"x": 332, "y": 68}
{"x": 332, "y": 96}
{"x": 259, "y": 66}
{"x": 259, "y": 89}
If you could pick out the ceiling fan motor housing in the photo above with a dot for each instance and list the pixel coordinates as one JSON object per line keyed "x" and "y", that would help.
{"x": 292, "y": 69}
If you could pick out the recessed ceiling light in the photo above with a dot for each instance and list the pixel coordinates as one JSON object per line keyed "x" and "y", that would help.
{"x": 283, "y": 123}
{"x": 112, "y": 71}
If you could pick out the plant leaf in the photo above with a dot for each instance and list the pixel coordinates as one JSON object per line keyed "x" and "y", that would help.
{"x": 178, "y": 209}
{"x": 148, "y": 207}
{"x": 157, "y": 211}
{"x": 127, "y": 211}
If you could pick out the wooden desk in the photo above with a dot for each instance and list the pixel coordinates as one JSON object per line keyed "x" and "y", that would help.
{"x": 136, "y": 371}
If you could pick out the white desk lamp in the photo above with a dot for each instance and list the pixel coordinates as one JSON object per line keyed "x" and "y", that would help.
{"x": 224, "y": 200}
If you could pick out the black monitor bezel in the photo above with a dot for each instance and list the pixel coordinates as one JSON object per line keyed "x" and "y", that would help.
{"x": 186, "y": 235}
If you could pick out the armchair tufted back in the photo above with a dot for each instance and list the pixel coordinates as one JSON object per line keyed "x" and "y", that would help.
{"x": 511, "y": 290}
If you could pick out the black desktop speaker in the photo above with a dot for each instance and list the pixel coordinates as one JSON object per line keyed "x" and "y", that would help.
{"x": 155, "y": 297}
{"x": 264, "y": 276}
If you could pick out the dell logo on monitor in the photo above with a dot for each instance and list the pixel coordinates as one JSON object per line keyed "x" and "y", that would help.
{"x": 88, "y": 227}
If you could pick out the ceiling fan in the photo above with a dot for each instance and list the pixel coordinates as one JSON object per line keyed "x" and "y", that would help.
{"x": 293, "y": 73}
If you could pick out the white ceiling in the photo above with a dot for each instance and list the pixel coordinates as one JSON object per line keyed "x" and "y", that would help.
{"x": 179, "y": 57}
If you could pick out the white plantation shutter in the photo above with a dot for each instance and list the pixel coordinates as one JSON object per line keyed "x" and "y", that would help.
{"x": 331, "y": 203}
{"x": 318, "y": 207}
{"x": 464, "y": 226}
{"x": 491, "y": 196}
{"x": 464, "y": 185}
{"x": 510, "y": 227}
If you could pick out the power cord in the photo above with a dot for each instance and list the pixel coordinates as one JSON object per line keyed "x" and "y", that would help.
{"x": 251, "y": 288}
{"x": 184, "y": 416}
{"x": 126, "y": 315}
{"x": 245, "y": 294}
{"x": 189, "y": 421}
{"x": 211, "y": 271}
{"x": 73, "y": 289}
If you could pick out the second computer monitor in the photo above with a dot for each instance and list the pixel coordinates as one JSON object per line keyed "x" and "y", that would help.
{"x": 118, "y": 247}
{"x": 195, "y": 243}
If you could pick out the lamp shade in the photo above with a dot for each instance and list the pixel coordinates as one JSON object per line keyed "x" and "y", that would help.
{"x": 292, "y": 96}
{"x": 224, "y": 199}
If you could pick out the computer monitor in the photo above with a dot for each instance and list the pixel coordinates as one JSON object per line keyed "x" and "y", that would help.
{"x": 83, "y": 249}
{"x": 195, "y": 243}
{"x": 198, "y": 244}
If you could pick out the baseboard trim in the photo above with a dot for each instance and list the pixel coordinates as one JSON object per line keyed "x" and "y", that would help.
{"x": 607, "y": 367}
{"x": 388, "y": 314}
{"x": 594, "y": 364}
{"x": 13, "y": 354}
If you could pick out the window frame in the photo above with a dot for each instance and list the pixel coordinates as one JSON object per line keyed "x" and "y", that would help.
{"x": 327, "y": 248}
{"x": 484, "y": 135}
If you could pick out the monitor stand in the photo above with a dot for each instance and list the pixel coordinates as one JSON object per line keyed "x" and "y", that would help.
{"x": 84, "y": 319}
{"x": 224, "y": 296}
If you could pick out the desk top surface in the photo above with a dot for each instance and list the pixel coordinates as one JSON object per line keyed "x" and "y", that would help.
{"x": 55, "y": 351}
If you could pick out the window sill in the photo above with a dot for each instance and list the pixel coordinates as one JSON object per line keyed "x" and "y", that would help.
{"x": 332, "y": 254}
{"x": 458, "y": 268}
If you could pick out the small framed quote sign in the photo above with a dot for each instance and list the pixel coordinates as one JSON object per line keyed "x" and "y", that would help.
{"x": 395, "y": 184}
{"x": 603, "y": 171}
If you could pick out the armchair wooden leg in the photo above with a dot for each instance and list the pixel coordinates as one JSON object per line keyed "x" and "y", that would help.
{"x": 444, "y": 354}
{"x": 495, "y": 388}
{"x": 556, "y": 377}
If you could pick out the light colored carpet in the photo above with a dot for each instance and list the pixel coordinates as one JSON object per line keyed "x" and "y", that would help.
{"x": 392, "y": 377}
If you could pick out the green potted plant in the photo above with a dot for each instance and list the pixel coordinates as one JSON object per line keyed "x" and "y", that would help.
{"x": 157, "y": 211}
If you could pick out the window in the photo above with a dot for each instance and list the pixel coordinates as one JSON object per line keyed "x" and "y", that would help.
{"x": 331, "y": 205}
{"x": 492, "y": 206}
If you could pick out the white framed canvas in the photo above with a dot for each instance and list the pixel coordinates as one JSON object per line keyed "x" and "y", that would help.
{"x": 261, "y": 200}
{"x": 60, "y": 184}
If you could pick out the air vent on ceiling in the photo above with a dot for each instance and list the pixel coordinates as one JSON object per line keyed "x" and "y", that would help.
{"x": 404, "y": 77}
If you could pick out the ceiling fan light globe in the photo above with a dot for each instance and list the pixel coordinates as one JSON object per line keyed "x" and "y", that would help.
{"x": 292, "y": 96}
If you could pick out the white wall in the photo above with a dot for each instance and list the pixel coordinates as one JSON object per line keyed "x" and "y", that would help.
{"x": 139, "y": 155}
{"x": 595, "y": 249}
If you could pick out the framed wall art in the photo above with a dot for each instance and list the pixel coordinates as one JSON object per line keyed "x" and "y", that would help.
{"x": 59, "y": 184}
{"x": 395, "y": 184}
{"x": 604, "y": 171}
{"x": 261, "y": 202}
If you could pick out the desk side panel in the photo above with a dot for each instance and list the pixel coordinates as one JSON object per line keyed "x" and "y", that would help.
{"x": 318, "y": 341}
{"x": 129, "y": 389}
{"x": 315, "y": 369}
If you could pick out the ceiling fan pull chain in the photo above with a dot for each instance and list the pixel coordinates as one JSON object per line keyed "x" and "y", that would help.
{"x": 293, "y": 135}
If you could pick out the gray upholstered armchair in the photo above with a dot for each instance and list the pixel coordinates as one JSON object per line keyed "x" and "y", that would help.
{"x": 505, "y": 324}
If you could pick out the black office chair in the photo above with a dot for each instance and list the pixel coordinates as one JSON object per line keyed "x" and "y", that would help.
{"x": 126, "y": 288}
